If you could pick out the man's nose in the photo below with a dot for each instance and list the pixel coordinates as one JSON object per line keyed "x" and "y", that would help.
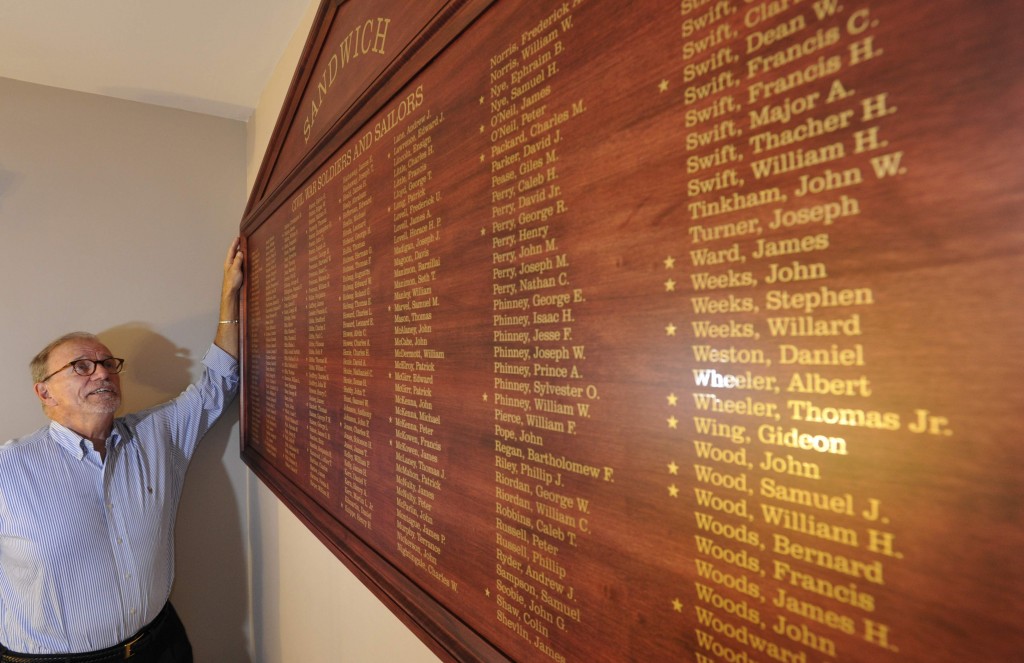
{"x": 101, "y": 372}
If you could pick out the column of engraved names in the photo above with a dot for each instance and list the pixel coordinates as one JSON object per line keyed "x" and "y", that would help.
{"x": 539, "y": 395}
{"x": 419, "y": 456}
{"x": 256, "y": 374}
{"x": 728, "y": 563}
{"x": 292, "y": 351}
{"x": 318, "y": 282}
{"x": 805, "y": 131}
{"x": 271, "y": 345}
{"x": 356, "y": 326}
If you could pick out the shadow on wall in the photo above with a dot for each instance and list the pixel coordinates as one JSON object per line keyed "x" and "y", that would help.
{"x": 155, "y": 369}
{"x": 210, "y": 587}
{"x": 7, "y": 179}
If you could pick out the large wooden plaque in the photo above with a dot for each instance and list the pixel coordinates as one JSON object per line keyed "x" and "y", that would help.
{"x": 653, "y": 331}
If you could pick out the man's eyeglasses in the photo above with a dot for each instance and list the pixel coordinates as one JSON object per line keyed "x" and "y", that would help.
{"x": 85, "y": 367}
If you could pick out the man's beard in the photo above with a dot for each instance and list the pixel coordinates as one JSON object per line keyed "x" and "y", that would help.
{"x": 106, "y": 402}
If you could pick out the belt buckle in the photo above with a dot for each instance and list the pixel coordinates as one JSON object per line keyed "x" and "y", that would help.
{"x": 129, "y": 646}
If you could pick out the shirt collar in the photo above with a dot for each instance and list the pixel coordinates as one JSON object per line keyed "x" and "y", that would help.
{"x": 73, "y": 443}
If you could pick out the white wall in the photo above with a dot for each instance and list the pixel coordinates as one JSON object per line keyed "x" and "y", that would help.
{"x": 306, "y": 605}
{"x": 114, "y": 218}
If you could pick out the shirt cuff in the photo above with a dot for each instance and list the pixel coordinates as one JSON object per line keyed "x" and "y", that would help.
{"x": 220, "y": 362}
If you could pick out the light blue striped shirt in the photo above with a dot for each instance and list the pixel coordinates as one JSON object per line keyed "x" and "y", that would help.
{"x": 87, "y": 547}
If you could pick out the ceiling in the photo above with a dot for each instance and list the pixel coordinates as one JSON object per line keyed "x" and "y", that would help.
{"x": 207, "y": 56}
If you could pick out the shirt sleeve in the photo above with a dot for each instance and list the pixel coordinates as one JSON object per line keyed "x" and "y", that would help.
{"x": 183, "y": 421}
{"x": 221, "y": 362}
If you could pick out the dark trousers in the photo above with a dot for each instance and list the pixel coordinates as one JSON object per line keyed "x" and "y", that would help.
{"x": 171, "y": 644}
{"x": 163, "y": 641}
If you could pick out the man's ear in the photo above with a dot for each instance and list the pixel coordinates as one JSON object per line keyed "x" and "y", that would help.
{"x": 43, "y": 392}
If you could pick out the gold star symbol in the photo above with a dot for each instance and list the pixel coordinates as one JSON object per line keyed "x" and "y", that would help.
{"x": 483, "y": 231}
{"x": 670, "y": 286}
{"x": 670, "y": 262}
{"x": 670, "y": 330}
{"x": 672, "y": 399}
{"x": 481, "y": 128}
{"x": 487, "y": 591}
{"x": 673, "y": 491}
{"x": 672, "y": 422}
{"x": 481, "y": 158}
{"x": 485, "y": 398}
{"x": 673, "y": 468}
{"x": 663, "y": 85}
{"x": 677, "y": 605}
{"x": 481, "y": 100}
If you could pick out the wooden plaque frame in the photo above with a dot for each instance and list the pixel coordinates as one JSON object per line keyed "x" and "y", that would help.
{"x": 750, "y": 389}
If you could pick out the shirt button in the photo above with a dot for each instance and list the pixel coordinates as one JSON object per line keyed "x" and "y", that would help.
{"x": 119, "y": 541}
{"x": 128, "y": 576}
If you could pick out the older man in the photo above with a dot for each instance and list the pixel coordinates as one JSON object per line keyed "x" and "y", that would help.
{"x": 88, "y": 502}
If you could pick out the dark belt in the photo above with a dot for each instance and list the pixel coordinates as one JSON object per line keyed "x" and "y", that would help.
{"x": 124, "y": 651}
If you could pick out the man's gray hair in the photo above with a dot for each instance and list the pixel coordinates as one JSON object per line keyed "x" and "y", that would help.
{"x": 40, "y": 361}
